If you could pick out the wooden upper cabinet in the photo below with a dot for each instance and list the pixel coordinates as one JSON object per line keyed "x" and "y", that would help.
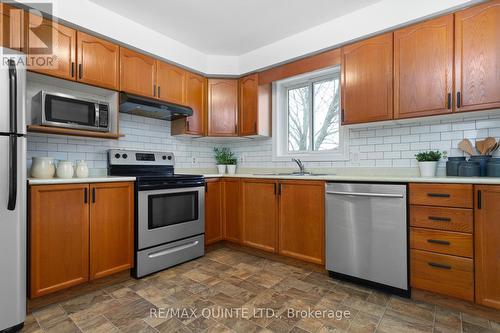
{"x": 477, "y": 57}
{"x": 137, "y": 73}
{"x": 213, "y": 211}
{"x": 11, "y": 27}
{"x": 486, "y": 240}
{"x": 423, "y": 68}
{"x": 195, "y": 95}
{"x": 302, "y": 220}
{"x": 51, "y": 47}
{"x": 111, "y": 228}
{"x": 222, "y": 107}
{"x": 59, "y": 237}
{"x": 367, "y": 80}
{"x": 231, "y": 210}
{"x": 249, "y": 108}
{"x": 260, "y": 214}
{"x": 98, "y": 61}
{"x": 171, "y": 82}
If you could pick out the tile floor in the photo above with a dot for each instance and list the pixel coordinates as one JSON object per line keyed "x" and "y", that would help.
{"x": 229, "y": 279}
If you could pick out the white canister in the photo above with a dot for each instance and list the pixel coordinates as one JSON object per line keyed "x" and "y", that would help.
{"x": 65, "y": 169}
{"x": 231, "y": 169}
{"x": 42, "y": 167}
{"x": 81, "y": 170}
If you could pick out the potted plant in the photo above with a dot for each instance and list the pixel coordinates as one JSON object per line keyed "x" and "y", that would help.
{"x": 231, "y": 165}
{"x": 428, "y": 161}
{"x": 222, "y": 156}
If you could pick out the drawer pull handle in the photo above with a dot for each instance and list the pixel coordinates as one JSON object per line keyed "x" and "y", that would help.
{"x": 437, "y": 241}
{"x": 434, "y": 264}
{"x": 438, "y": 195}
{"x": 439, "y": 219}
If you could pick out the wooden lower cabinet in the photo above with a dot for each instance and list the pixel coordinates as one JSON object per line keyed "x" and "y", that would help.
{"x": 75, "y": 235}
{"x": 443, "y": 274}
{"x": 58, "y": 236}
{"x": 302, "y": 220}
{"x": 213, "y": 211}
{"x": 487, "y": 248}
{"x": 260, "y": 213}
{"x": 111, "y": 228}
{"x": 231, "y": 210}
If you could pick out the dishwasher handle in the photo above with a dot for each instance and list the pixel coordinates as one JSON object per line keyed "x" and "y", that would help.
{"x": 363, "y": 194}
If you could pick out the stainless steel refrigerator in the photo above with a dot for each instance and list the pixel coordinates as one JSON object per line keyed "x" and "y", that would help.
{"x": 12, "y": 190}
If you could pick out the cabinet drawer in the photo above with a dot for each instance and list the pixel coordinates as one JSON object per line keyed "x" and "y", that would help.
{"x": 446, "y": 195}
{"x": 451, "y": 219}
{"x": 441, "y": 273}
{"x": 446, "y": 242}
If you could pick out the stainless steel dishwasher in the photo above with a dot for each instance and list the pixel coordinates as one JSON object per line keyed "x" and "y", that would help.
{"x": 366, "y": 234}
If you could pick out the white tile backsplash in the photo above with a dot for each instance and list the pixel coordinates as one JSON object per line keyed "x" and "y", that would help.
{"x": 140, "y": 133}
{"x": 375, "y": 145}
{"x": 393, "y": 145}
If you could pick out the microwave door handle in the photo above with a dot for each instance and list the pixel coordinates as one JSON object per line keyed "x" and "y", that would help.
{"x": 96, "y": 122}
{"x": 13, "y": 96}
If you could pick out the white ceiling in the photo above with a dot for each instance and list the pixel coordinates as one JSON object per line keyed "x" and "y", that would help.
{"x": 231, "y": 27}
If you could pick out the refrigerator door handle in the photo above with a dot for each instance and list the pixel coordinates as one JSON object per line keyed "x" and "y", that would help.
{"x": 11, "y": 205}
{"x": 13, "y": 96}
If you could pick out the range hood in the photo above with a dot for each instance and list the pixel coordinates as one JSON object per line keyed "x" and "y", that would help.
{"x": 152, "y": 108}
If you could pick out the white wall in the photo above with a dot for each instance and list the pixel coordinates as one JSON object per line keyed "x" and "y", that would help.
{"x": 378, "y": 17}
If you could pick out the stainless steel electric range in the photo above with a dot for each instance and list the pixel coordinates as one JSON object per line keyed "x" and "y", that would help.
{"x": 169, "y": 208}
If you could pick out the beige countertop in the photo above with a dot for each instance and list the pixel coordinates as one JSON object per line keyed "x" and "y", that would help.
{"x": 367, "y": 178}
{"x": 93, "y": 179}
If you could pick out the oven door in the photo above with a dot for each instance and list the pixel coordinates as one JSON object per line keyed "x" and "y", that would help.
{"x": 168, "y": 215}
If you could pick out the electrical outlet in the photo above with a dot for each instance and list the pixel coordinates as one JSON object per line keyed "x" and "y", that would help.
{"x": 242, "y": 158}
{"x": 193, "y": 160}
{"x": 355, "y": 157}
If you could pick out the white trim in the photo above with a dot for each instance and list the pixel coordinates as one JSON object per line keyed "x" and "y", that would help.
{"x": 280, "y": 121}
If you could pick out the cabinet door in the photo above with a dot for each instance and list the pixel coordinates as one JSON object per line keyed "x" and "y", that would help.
{"x": 423, "y": 65}
{"x": 196, "y": 93}
{"x": 59, "y": 237}
{"x": 213, "y": 211}
{"x": 367, "y": 80}
{"x": 111, "y": 228}
{"x": 302, "y": 220}
{"x": 137, "y": 73}
{"x": 249, "y": 110}
{"x": 486, "y": 240}
{"x": 11, "y": 27}
{"x": 231, "y": 210}
{"x": 222, "y": 107}
{"x": 98, "y": 61}
{"x": 171, "y": 81}
{"x": 477, "y": 69}
{"x": 59, "y": 58}
{"x": 260, "y": 214}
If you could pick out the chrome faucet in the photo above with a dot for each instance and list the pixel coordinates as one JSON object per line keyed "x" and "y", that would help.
{"x": 300, "y": 164}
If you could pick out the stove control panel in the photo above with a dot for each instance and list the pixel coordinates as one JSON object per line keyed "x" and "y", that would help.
{"x": 136, "y": 157}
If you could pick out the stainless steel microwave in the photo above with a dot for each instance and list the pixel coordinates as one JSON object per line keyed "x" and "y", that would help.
{"x": 62, "y": 110}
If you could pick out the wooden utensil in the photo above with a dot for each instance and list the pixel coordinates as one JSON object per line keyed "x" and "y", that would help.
{"x": 466, "y": 146}
{"x": 489, "y": 143}
{"x": 481, "y": 146}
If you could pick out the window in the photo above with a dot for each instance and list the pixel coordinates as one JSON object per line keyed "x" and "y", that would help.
{"x": 306, "y": 114}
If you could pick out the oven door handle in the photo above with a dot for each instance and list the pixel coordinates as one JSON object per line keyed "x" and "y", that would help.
{"x": 172, "y": 250}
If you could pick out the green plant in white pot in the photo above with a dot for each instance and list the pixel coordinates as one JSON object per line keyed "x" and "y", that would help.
{"x": 231, "y": 165}
{"x": 428, "y": 162}
{"x": 222, "y": 158}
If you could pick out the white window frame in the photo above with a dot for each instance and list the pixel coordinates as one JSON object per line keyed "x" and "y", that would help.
{"x": 280, "y": 120}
